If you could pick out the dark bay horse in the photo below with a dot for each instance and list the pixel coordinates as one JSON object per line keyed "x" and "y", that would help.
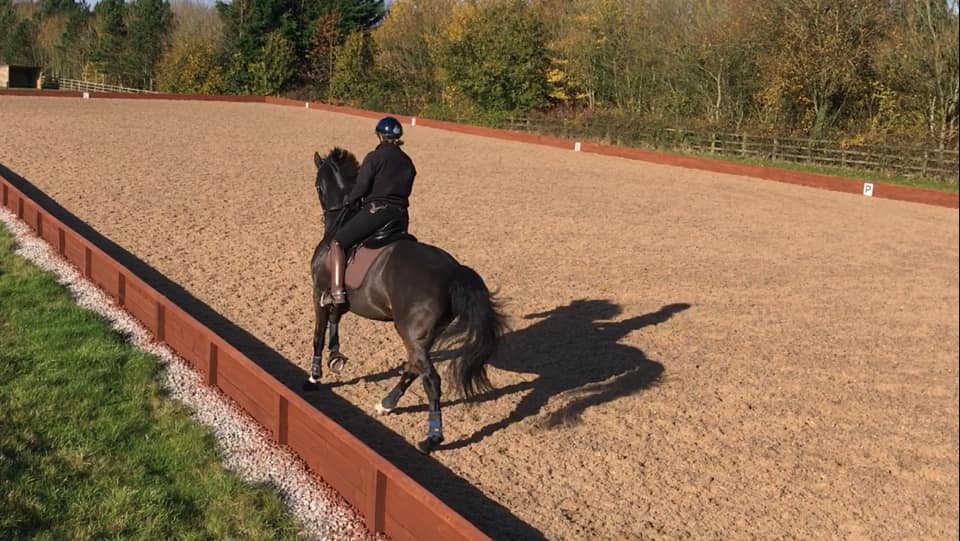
{"x": 427, "y": 294}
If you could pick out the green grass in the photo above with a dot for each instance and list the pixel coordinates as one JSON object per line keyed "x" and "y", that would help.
{"x": 860, "y": 174}
{"x": 90, "y": 448}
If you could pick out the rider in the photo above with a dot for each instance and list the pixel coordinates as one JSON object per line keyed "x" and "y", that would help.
{"x": 384, "y": 183}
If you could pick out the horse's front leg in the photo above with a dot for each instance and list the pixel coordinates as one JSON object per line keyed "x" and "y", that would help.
{"x": 321, "y": 316}
{"x": 336, "y": 360}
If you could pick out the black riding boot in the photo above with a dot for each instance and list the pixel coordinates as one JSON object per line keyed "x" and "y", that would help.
{"x": 336, "y": 263}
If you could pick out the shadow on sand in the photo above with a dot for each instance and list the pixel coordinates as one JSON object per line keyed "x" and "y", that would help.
{"x": 571, "y": 348}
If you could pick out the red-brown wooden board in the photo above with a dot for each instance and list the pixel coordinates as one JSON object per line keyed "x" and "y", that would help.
{"x": 139, "y": 301}
{"x": 186, "y": 337}
{"x": 335, "y": 461}
{"x": 239, "y": 382}
{"x": 30, "y": 214}
{"x": 50, "y": 231}
{"x": 74, "y": 249}
{"x": 105, "y": 274}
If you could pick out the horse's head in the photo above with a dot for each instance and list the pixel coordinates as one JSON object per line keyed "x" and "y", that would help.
{"x": 336, "y": 175}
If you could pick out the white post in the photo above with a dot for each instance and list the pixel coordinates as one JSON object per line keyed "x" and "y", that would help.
{"x": 86, "y": 95}
{"x": 576, "y": 146}
{"x": 306, "y": 105}
{"x": 868, "y": 189}
{"x": 413, "y": 121}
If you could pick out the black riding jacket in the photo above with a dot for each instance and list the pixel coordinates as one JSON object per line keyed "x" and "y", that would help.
{"x": 386, "y": 176}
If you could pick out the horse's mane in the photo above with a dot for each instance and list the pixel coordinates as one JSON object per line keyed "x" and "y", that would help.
{"x": 346, "y": 165}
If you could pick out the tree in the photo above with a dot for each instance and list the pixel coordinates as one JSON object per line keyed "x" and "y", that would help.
{"x": 195, "y": 20}
{"x": 8, "y": 25}
{"x": 715, "y": 50}
{"x": 192, "y": 66}
{"x": 352, "y": 15}
{"x": 150, "y": 23}
{"x": 321, "y": 54}
{"x": 8, "y": 17}
{"x": 20, "y": 45}
{"x": 919, "y": 65}
{"x": 816, "y": 60}
{"x": 52, "y": 7}
{"x": 58, "y": 36}
{"x": 111, "y": 32}
{"x": 246, "y": 24}
{"x": 276, "y": 65}
{"x": 350, "y": 80}
{"x": 494, "y": 54}
{"x": 566, "y": 74}
{"x": 407, "y": 52}
{"x": 360, "y": 14}
{"x": 611, "y": 50}
{"x": 77, "y": 40}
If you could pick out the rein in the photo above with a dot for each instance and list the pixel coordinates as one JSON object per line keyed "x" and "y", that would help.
{"x": 334, "y": 218}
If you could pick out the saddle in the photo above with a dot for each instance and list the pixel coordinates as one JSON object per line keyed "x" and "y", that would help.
{"x": 361, "y": 257}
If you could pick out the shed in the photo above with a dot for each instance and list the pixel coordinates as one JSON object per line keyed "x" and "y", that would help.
{"x": 19, "y": 76}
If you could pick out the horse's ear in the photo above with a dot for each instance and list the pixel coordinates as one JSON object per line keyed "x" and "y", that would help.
{"x": 317, "y": 159}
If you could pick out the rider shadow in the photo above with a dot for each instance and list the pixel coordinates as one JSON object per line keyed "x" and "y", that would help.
{"x": 575, "y": 351}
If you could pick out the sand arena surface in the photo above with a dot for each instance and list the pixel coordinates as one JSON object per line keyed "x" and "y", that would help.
{"x": 693, "y": 355}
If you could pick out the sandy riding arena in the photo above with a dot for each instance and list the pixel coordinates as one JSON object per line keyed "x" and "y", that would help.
{"x": 692, "y": 355}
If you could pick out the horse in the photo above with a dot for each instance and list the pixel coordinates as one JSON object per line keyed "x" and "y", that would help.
{"x": 428, "y": 295}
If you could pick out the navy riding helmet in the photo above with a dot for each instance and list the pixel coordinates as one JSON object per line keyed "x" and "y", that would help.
{"x": 389, "y": 128}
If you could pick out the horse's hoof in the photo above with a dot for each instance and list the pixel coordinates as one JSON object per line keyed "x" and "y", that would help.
{"x": 428, "y": 445}
{"x": 337, "y": 362}
{"x": 312, "y": 384}
{"x": 382, "y": 410}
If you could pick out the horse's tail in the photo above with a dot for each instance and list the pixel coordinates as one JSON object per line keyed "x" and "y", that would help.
{"x": 477, "y": 329}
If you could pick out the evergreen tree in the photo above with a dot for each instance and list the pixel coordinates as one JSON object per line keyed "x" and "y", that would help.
{"x": 276, "y": 65}
{"x": 17, "y": 36}
{"x": 150, "y": 21}
{"x": 75, "y": 43}
{"x": 8, "y": 23}
{"x": 246, "y": 24}
{"x": 111, "y": 33}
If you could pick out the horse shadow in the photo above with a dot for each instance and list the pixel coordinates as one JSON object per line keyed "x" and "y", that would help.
{"x": 579, "y": 362}
{"x": 573, "y": 349}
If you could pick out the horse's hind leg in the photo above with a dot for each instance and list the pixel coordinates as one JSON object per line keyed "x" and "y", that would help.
{"x": 418, "y": 331}
{"x": 390, "y": 400}
{"x": 411, "y": 369}
{"x": 431, "y": 384}
{"x": 418, "y": 363}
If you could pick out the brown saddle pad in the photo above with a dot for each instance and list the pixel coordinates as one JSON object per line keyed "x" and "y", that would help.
{"x": 359, "y": 264}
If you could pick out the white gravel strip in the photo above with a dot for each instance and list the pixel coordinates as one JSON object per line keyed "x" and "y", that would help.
{"x": 247, "y": 447}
